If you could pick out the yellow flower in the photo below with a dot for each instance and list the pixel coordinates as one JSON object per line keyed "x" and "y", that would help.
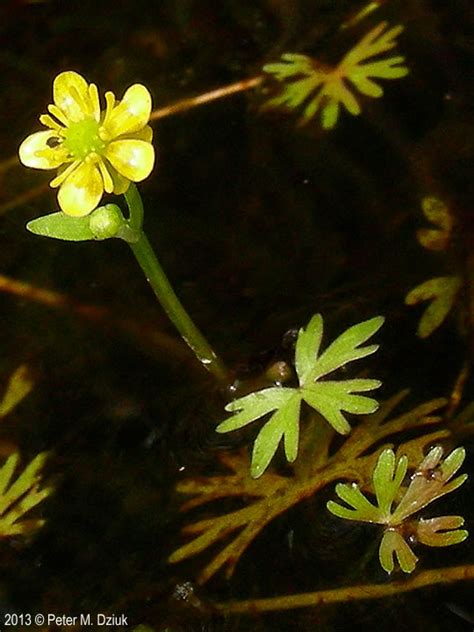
{"x": 93, "y": 150}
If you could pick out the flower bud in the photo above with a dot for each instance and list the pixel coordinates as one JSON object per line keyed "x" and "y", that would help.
{"x": 106, "y": 221}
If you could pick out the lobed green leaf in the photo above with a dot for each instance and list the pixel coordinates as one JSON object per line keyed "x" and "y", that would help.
{"x": 254, "y": 406}
{"x": 442, "y": 292}
{"x": 346, "y": 348}
{"x": 283, "y": 424}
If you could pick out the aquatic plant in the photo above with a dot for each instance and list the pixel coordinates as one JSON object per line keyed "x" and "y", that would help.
{"x": 18, "y": 497}
{"x": 328, "y": 397}
{"x": 431, "y": 480}
{"x": 321, "y": 460}
{"x": 315, "y": 86}
{"x": 105, "y": 150}
{"x": 441, "y": 291}
{"x": 19, "y": 385}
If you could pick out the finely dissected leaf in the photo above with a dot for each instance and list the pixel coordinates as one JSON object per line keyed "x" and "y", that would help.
{"x": 316, "y": 87}
{"x": 19, "y": 385}
{"x": 321, "y": 462}
{"x": 21, "y": 496}
{"x": 442, "y": 292}
{"x": 6, "y": 472}
{"x": 329, "y": 398}
{"x": 62, "y": 226}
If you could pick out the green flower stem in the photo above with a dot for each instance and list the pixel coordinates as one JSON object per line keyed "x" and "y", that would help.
{"x": 135, "y": 208}
{"x": 155, "y": 275}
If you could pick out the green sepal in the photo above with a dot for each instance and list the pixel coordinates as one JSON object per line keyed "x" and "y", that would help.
{"x": 62, "y": 226}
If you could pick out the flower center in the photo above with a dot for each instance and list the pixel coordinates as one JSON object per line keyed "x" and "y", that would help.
{"x": 82, "y": 138}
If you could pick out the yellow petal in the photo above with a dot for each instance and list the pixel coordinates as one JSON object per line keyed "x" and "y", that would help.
{"x": 71, "y": 95}
{"x": 35, "y": 152}
{"x": 81, "y": 192}
{"x": 106, "y": 177}
{"x": 121, "y": 183}
{"x": 131, "y": 114}
{"x": 146, "y": 134}
{"x": 133, "y": 159}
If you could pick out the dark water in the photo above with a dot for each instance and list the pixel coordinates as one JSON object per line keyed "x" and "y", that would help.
{"x": 259, "y": 224}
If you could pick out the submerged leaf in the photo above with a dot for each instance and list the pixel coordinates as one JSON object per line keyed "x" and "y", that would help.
{"x": 321, "y": 461}
{"x": 316, "y": 87}
{"x": 17, "y": 498}
{"x": 437, "y": 213}
{"x": 442, "y": 292}
{"x": 19, "y": 386}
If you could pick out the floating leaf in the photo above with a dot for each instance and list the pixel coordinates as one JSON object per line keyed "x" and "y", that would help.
{"x": 441, "y": 531}
{"x": 442, "y": 291}
{"x": 322, "y": 460}
{"x": 329, "y": 398}
{"x": 393, "y": 545}
{"x": 283, "y": 424}
{"x": 315, "y": 87}
{"x": 432, "y": 479}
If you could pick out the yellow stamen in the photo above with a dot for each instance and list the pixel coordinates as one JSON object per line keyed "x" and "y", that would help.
{"x": 106, "y": 177}
{"x": 94, "y": 98}
{"x": 59, "y": 179}
{"x": 55, "y": 111}
{"x": 110, "y": 104}
{"x": 48, "y": 121}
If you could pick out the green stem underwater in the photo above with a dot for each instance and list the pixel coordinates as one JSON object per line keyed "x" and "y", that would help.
{"x": 164, "y": 292}
{"x": 348, "y": 593}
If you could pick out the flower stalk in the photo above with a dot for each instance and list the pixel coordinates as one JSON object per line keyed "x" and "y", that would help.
{"x": 97, "y": 151}
{"x": 164, "y": 292}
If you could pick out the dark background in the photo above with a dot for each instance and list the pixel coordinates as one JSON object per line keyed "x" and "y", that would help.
{"x": 259, "y": 224}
